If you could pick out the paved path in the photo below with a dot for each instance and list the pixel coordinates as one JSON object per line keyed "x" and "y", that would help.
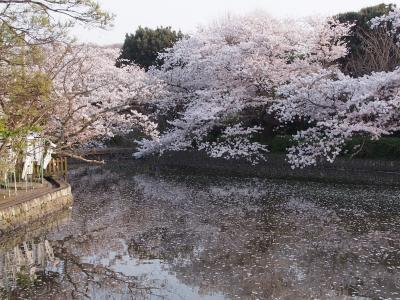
{"x": 22, "y": 195}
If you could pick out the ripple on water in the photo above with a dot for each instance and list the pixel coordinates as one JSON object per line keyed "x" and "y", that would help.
{"x": 141, "y": 236}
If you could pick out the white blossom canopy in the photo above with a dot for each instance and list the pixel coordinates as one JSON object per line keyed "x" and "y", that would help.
{"x": 92, "y": 98}
{"x": 232, "y": 65}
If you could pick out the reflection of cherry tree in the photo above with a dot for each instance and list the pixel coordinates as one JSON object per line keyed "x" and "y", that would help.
{"x": 96, "y": 280}
{"x": 43, "y": 267}
{"x": 245, "y": 248}
{"x": 34, "y": 267}
{"x": 27, "y": 256}
{"x": 247, "y": 238}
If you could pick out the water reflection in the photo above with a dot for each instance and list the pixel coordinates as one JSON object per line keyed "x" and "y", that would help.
{"x": 26, "y": 256}
{"x": 139, "y": 236}
{"x": 22, "y": 264}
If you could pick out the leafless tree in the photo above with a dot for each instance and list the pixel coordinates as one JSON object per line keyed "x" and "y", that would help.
{"x": 379, "y": 52}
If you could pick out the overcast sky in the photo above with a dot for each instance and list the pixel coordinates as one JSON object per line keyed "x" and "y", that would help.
{"x": 188, "y": 14}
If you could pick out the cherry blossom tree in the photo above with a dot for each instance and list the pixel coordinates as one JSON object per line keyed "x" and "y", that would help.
{"x": 339, "y": 107}
{"x": 390, "y": 21}
{"x": 25, "y": 27}
{"x": 92, "y": 99}
{"x": 233, "y": 65}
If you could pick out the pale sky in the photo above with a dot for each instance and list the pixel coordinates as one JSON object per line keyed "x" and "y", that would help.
{"x": 188, "y": 14}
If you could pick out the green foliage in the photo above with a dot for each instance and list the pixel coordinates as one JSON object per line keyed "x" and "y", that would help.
{"x": 48, "y": 21}
{"x": 361, "y": 19}
{"x": 385, "y": 148}
{"x": 3, "y": 127}
{"x": 27, "y": 102}
{"x": 25, "y": 26}
{"x": 25, "y": 91}
{"x": 279, "y": 144}
{"x": 365, "y": 14}
{"x": 24, "y": 281}
{"x": 143, "y": 47}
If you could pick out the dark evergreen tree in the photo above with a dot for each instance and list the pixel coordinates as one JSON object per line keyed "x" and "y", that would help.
{"x": 142, "y": 48}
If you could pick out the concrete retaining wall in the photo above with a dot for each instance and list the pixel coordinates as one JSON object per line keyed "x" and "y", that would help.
{"x": 23, "y": 211}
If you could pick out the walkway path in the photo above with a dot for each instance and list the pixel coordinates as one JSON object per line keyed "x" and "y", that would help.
{"x": 22, "y": 194}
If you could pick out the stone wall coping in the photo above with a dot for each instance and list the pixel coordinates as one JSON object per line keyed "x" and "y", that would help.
{"x": 60, "y": 186}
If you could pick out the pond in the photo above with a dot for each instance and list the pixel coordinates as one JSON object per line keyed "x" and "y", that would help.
{"x": 132, "y": 235}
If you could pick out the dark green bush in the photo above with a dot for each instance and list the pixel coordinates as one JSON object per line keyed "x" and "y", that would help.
{"x": 386, "y": 148}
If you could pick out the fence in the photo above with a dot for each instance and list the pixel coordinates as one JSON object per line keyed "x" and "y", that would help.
{"x": 57, "y": 168}
{"x": 13, "y": 181}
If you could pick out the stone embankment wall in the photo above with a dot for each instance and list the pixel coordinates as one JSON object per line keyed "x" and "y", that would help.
{"x": 276, "y": 166}
{"x": 342, "y": 170}
{"x": 33, "y": 207}
{"x": 38, "y": 228}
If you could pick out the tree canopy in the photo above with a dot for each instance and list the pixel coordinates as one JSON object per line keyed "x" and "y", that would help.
{"x": 143, "y": 47}
{"x": 26, "y": 90}
{"x": 232, "y": 66}
{"x": 287, "y": 68}
{"x": 92, "y": 98}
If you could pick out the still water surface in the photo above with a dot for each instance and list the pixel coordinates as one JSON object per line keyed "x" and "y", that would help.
{"x": 143, "y": 236}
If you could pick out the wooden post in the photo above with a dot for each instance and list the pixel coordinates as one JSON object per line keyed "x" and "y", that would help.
{"x": 58, "y": 167}
{"x": 66, "y": 169}
{"x": 15, "y": 182}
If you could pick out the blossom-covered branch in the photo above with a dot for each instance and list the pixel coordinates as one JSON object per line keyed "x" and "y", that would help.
{"x": 233, "y": 65}
{"x": 92, "y": 99}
